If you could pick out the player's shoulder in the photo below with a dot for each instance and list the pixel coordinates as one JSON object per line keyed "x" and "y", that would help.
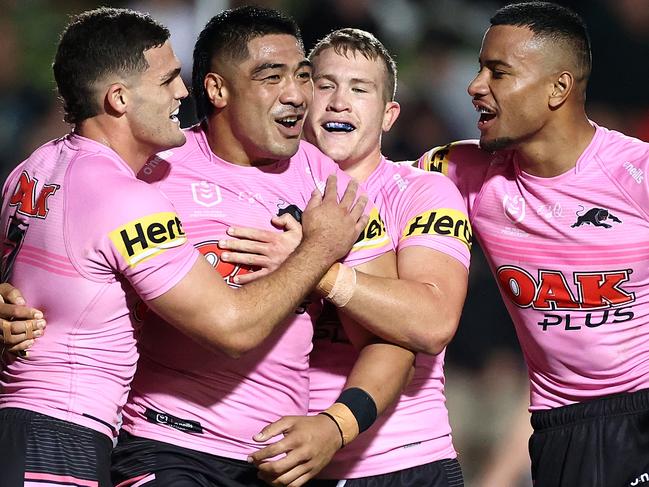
{"x": 462, "y": 153}
{"x": 160, "y": 166}
{"x": 618, "y": 149}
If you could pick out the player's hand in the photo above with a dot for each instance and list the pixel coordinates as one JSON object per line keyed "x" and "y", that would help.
{"x": 19, "y": 324}
{"x": 309, "y": 443}
{"x": 264, "y": 249}
{"x": 332, "y": 226}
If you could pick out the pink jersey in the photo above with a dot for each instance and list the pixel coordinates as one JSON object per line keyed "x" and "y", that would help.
{"x": 186, "y": 395}
{"x": 81, "y": 232}
{"x": 571, "y": 259}
{"x": 419, "y": 209}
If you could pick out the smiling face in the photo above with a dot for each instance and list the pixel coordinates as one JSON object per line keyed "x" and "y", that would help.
{"x": 267, "y": 97}
{"x": 512, "y": 88}
{"x": 349, "y": 111}
{"x": 156, "y": 95}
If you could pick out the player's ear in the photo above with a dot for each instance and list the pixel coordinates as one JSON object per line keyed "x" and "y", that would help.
{"x": 392, "y": 110}
{"x": 216, "y": 90}
{"x": 116, "y": 99}
{"x": 562, "y": 86}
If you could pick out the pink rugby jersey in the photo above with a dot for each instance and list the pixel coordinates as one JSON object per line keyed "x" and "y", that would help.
{"x": 186, "y": 395}
{"x": 418, "y": 210}
{"x": 571, "y": 259}
{"x": 81, "y": 232}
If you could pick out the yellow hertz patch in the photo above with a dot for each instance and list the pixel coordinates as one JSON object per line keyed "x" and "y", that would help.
{"x": 436, "y": 160}
{"x": 442, "y": 221}
{"x": 148, "y": 236}
{"x": 374, "y": 235}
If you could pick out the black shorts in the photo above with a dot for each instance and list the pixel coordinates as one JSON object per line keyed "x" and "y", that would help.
{"x": 442, "y": 473}
{"x": 599, "y": 443}
{"x": 149, "y": 463}
{"x": 43, "y": 451}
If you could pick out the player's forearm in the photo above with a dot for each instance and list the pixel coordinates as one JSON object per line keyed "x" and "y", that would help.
{"x": 411, "y": 314}
{"x": 382, "y": 370}
{"x": 260, "y": 306}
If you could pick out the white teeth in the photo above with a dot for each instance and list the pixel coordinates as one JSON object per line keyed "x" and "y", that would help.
{"x": 174, "y": 115}
{"x": 484, "y": 111}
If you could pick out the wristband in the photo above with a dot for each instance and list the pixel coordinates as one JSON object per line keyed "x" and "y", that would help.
{"x": 361, "y": 405}
{"x": 338, "y": 284}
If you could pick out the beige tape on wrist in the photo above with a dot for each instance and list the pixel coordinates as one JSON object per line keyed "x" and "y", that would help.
{"x": 338, "y": 284}
{"x": 346, "y": 421}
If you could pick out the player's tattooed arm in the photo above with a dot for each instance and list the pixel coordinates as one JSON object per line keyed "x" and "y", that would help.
{"x": 20, "y": 324}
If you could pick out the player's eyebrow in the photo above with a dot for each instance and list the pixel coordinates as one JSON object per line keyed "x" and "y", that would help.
{"x": 170, "y": 75}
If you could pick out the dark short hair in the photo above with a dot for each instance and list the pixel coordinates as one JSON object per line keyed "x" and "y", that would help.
{"x": 352, "y": 40}
{"x": 226, "y": 37}
{"x": 97, "y": 43}
{"x": 554, "y": 22}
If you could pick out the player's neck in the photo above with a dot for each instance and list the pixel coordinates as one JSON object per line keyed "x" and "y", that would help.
{"x": 557, "y": 148}
{"x": 225, "y": 145}
{"x": 362, "y": 169}
{"x": 120, "y": 141}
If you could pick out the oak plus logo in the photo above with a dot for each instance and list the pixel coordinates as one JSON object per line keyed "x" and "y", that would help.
{"x": 589, "y": 299}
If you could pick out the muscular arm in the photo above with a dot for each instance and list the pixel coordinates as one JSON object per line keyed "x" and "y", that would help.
{"x": 237, "y": 320}
{"x": 421, "y": 309}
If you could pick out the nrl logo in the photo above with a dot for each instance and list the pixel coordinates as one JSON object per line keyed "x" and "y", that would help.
{"x": 206, "y": 194}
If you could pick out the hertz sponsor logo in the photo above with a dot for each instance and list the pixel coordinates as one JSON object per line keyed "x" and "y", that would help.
{"x": 374, "y": 235}
{"x": 436, "y": 160}
{"x": 148, "y": 236}
{"x": 442, "y": 221}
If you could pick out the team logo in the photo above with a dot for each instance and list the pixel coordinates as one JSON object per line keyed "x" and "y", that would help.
{"x": 442, "y": 221}
{"x": 596, "y": 217}
{"x": 514, "y": 208}
{"x": 374, "y": 234}
{"x": 283, "y": 208}
{"x": 29, "y": 199}
{"x": 206, "y": 194}
{"x": 148, "y": 236}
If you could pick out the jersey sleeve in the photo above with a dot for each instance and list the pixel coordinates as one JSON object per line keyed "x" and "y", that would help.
{"x": 463, "y": 162}
{"x": 373, "y": 240}
{"x": 134, "y": 231}
{"x": 435, "y": 216}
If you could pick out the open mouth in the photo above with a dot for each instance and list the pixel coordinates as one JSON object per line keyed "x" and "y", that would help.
{"x": 174, "y": 115}
{"x": 338, "y": 127}
{"x": 487, "y": 114}
{"x": 290, "y": 121}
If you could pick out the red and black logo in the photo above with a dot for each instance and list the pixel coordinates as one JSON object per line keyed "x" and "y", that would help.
{"x": 28, "y": 199}
{"x": 599, "y": 296}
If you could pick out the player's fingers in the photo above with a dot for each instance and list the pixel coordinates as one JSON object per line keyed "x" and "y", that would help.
{"x": 243, "y": 258}
{"x": 249, "y": 246}
{"x": 359, "y": 207}
{"x": 269, "y": 451}
{"x": 15, "y": 332}
{"x": 331, "y": 189}
{"x": 285, "y": 222}
{"x": 250, "y": 276}
{"x": 19, "y": 312}
{"x": 274, "y": 429}
{"x": 349, "y": 196}
{"x": 21, "y": 348}
{"x": 315, "y": 200}
{"x": 250, "y": 233}
{"x": 361, "y": 223}
{"x": 10, "y": 294}
{"x": 286, "y": 473}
